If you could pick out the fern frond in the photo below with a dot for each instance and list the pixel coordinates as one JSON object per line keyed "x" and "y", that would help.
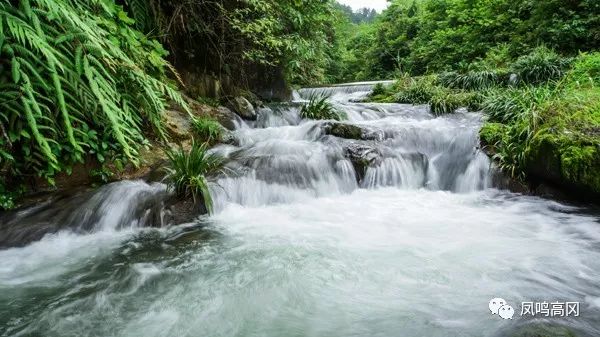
{"x": 28, "y": 104}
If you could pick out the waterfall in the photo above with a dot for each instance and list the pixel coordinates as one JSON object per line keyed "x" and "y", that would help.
{"x": 284, "y": 158}
{"x": 342, "y": 92}
{"x": 127, "y": 204}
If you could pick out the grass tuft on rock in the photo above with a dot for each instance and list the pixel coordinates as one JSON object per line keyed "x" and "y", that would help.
{"x": 208, "y": 129}
{"x": 319, "y": 108}
{"x": 188, "y": 172}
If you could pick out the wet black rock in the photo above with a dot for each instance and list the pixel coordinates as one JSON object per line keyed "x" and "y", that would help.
{"x": 181, "y": 211}
{"x": 362, "y": 156}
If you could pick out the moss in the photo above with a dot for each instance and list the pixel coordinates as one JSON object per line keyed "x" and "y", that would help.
{"x": 491, "y": 134}
{"x": 579, "y": 165}
{"x": 385, "y": 98}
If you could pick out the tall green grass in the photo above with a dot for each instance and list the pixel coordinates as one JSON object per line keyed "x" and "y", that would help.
{"x": 540, "y": 66}
{"x": 553, "y": 127}
{"x": 508, "y": 105}
{"x": 474, "y": 80}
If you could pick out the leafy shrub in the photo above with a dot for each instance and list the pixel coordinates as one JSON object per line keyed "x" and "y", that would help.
{"x": 207, "y": 129}
{"x": 378, "y": 89}
{"x": 7, "y": 202}
{"x": 319, "y": 108}
{"x": 585, "y": 70}
{"x": 8, "y": 197}
{"x": 426, "y": 90}
{"x": 539, "y": 66}
{"x": 187, "y": 172}
{"x": 497, "y": 57}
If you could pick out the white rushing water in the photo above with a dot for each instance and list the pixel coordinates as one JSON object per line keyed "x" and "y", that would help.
{"x": 416, "y": 246}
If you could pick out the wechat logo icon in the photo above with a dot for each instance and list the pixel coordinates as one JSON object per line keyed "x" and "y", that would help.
{"x": 501, "y": 308}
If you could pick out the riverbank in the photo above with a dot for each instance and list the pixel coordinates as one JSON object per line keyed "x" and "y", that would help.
{"x": 542, "y": 116}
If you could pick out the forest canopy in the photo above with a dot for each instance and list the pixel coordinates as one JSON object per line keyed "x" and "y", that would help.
{"x": 428, "y": 36}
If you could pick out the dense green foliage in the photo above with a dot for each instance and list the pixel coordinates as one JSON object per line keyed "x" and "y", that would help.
{"x": 88, "y": 80}
{"x": 432, "y": 36}
{"x": 245, "y": 40}
{"x": 544, "y": 123}
{"x": 363, "y": 15}
{"x": 551, "y": 130}
{"x": 188, "y": 172}
{"x": 84, "y": 81}
{"x": 319, "y": 108}
{"x": 76, "y": 80}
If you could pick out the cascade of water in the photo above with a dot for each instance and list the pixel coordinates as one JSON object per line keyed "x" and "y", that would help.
{"x": 349, "y": 91}
{"x": 283, "y": 157}
{"x": 127, "y": 204}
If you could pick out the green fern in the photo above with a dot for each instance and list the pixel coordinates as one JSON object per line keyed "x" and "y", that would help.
{"x": 77, "y": 80}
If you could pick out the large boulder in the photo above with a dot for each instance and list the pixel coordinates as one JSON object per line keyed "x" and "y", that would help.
{"x": 227, "y": 118}
{"x": 243, "y": 108}
{"x": 178, "y": 125}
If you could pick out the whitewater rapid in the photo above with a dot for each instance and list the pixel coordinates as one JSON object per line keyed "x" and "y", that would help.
{"x": 301, "y": 245}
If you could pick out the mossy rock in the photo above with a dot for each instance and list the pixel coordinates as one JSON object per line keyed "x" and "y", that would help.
{"x": 346, "y": 131}
{"x": 566, "y": 162}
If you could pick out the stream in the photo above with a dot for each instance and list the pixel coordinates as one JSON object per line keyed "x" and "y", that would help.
{"x": 301, "y": 244}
